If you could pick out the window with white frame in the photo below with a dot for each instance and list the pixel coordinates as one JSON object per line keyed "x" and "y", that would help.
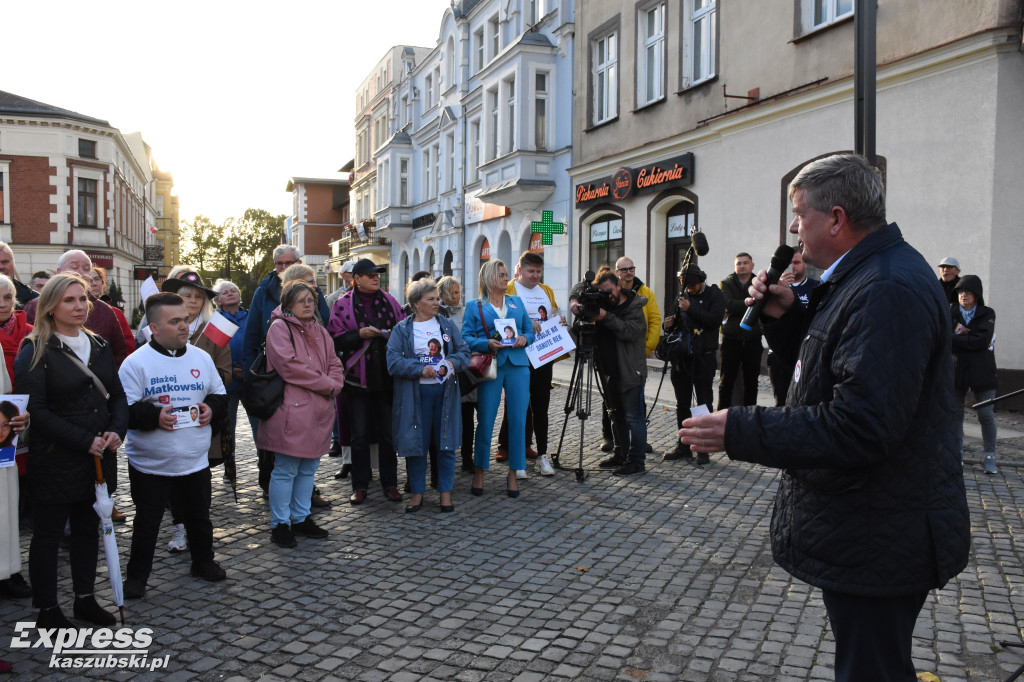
{"x": 450, "y": 62}
{"x": 403, "y": 182}
{"x": 492, "y": 133}
{"x": 449, "y": 170}
{"x": 428, "y": 91}
{"x": 87, "y": 201}
{"x": 478, "y": 50}
{"x": 5, "y": 192}
{"x": 540, "y": 111}
{"x": 436, "y": 157}
{"x": 606, "y": 78}
{"x": 425, "y": 189}
{"x": 510, "y": 116}
{"x": 437, "y": 85}
{"x": 700, "y": 42}
{"x": 474, "y": 150}
{"x": 532, "y": 12}
{"x": 494, "y": 35}
{"x": 383, "y": 196}
{"x": 405, "y": 115}
{"x": 650, "y": 61}
{"x": 815, "y": 14}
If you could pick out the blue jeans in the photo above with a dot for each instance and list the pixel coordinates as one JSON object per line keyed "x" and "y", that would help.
{"x": 628, "y": 424}
{"x": 515, "y": 379}
{"x": 431, "y": 407}
{"x": 291, "y": 486}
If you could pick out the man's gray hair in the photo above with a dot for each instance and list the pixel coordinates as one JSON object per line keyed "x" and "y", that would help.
{"x": 68, "y": 255}
{"x": 419, "y": 289}
{"x": 286, "y": 248}
{"x": 847, "y": 181}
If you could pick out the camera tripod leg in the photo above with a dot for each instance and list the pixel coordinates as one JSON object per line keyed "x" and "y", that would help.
{"x": 569, "y": 407}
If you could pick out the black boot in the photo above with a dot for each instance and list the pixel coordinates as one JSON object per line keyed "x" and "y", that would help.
{"x": 88, "y": 610}
{"x": 51, "y": 618}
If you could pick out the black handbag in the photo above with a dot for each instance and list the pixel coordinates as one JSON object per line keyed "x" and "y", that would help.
{"x": 263, "y": 392}
{"x": 676, "y": 346}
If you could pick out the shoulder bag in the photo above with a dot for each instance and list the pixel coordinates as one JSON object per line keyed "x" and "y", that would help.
{"x": 482, "y": 365}
{"x": 263, "y": 391}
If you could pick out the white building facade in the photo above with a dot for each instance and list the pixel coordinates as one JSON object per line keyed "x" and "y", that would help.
{"x": 480, "y": 144}
{"x": 743, "y": 95}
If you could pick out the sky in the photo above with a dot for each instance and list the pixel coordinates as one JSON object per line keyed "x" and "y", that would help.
{"x": 233, "y": 97}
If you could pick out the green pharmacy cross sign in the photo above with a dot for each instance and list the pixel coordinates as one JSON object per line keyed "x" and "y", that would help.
{"x": 547, "y": 227}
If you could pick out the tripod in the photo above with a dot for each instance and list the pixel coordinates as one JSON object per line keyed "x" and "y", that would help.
{"x": 578, "y": 401}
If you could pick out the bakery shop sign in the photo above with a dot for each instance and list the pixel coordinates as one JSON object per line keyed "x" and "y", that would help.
{"x": 625, "y": 182}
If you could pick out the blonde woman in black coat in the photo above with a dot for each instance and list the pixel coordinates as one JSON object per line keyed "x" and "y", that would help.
{"x": 75, "y": 420}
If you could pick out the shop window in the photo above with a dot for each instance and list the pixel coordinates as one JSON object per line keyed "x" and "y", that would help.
{"x": 606, "y": 242}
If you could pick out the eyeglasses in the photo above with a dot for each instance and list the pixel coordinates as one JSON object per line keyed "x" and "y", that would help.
{"x": 632, "y": 269}
{"x": 304, "y": 301}
{"x": 283, "y": 263}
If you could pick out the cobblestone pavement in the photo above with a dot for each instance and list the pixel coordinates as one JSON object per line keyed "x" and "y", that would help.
{"x": 663, "y": 576}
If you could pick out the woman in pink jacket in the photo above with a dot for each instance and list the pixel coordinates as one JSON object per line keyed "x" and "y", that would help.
{"x": 299, "y": 433}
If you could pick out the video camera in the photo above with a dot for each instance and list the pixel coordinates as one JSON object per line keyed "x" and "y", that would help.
{"x": 592, "y": 299}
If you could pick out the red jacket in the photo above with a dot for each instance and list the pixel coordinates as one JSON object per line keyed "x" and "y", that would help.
{"x": 12, "y": 342}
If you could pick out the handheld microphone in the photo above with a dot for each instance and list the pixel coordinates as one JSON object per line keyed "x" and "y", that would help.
{"x": 780, "y": 261}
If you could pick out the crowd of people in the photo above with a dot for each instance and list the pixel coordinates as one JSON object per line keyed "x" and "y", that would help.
{"x": 421, "y": 382}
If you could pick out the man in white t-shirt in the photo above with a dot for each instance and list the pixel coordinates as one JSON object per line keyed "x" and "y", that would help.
{"x": 166, "y": 382}
{"x": 540, "y": 304}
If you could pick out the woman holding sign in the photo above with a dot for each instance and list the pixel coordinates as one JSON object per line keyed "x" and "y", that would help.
{"x": 513, "y": 370}
{"x": 424, "y": 353}
{"x": 79, "y": 412}
{"x": 199, "y": 307}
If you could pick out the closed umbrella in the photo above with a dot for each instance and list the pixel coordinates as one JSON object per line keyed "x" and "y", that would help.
{"x": 104, "y": 506}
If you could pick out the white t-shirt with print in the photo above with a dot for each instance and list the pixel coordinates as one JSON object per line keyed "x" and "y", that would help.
{"x": 533, "y": 299}
{"x": 428, "y": 345}
{"x": 152, "y": 377}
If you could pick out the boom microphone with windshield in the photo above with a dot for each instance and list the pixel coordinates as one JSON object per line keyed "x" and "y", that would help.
{"x": 780, "y": 261}
{"x": 700, "y": 242}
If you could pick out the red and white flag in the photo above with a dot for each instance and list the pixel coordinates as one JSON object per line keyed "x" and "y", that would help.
{"x": 153, "y": 229}
{"x": 220, "y": 329}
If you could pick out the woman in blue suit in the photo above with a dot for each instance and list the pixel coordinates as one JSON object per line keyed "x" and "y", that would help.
{"x": 513, "y": 371}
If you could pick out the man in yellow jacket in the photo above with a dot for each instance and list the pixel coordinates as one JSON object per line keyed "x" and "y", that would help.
{"x": 626, "y": 271}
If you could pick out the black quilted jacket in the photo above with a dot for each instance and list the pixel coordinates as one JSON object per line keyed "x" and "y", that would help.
{"x": 68, "y": 411}
{"x": 872, "y": 498}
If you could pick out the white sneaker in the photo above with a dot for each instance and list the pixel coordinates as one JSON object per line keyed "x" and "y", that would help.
{"x": 178, "y": 543}
{"x": 544, "y": 462}
{"x": 521, "y": 474}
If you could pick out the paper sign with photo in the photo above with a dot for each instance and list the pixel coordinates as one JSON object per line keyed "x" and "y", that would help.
{"x": 506, "y": 331}
{"x": 10, "y": 407}
{"x": 186, "y": 416}
{"x": 551, "y": 343}
{"x": 444, "y": 370}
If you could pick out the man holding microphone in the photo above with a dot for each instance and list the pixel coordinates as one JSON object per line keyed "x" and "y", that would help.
{"x": 871, "y": 505}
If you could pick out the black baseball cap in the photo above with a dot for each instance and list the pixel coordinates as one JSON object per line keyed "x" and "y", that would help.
{"x": 365, "y": 266}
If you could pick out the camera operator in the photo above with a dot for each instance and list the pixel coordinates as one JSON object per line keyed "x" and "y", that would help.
{"x": 692, "y": 322}
{"x": 620, "y": 359}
